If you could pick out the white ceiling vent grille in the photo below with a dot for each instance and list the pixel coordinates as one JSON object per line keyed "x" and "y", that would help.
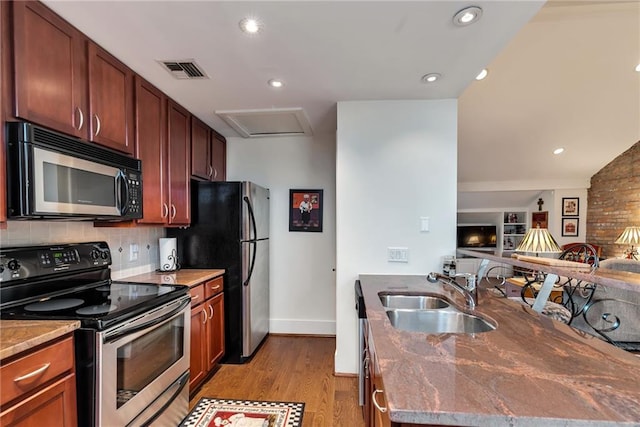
{"x": 268, "y": 122}
{"x": 184, "y": 69}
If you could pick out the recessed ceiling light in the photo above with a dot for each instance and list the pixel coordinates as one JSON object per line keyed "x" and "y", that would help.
{"x": 467, "y": 16}
{"x": 276, "y": 83}
{"x": 249, "y": 25}
{"x": 638, "y": 68}
{"x": 482, "y": 74}
{"x": 430, "y": 78}
{"x": 558, "y": 150}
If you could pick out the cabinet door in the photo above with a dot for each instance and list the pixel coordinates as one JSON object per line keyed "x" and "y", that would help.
{"x": 50, "y": 70}
{"x": 3, "y": 97}
{"x": 151, "y": 148}
{"x": 219, "y": 157}
{"x": 200, "y": 150}
{"x": 198, "y": 357}
{"x": 110, "y": 100}
{"x": 53, "y": 406}
{"x": 216, "y": 329}
{"x": 179, "y": 142}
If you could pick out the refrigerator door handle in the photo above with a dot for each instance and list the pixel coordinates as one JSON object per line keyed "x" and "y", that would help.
{"x": 253, "y": 218}
{"x": 253, "y": 263}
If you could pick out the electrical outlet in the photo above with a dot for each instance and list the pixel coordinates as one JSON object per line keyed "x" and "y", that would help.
{"x": 398, "y": 254}
{"x": 133, "y": 252}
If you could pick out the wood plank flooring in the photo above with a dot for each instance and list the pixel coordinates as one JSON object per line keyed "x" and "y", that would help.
{"x": 292, "y": 369}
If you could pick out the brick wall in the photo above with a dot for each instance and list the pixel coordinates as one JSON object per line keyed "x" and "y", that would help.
{"x": 614, "y": 201}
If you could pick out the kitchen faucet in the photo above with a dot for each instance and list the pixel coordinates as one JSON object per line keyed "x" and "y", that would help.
{"x": 469, "y": 291}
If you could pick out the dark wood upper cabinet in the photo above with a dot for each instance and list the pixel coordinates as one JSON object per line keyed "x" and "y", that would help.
{"x": 208, "y": 153}
{"x": 66, "y": 82}
{"x": 179, "y": 144}
{"x": 200, "y": 150}
{"x": 110, "y": 100}
{"x": 219, "y": 157}
{"x": 49, "y": 70}
{"x": 3, "y": 96}
{"x": 151, "y": 148}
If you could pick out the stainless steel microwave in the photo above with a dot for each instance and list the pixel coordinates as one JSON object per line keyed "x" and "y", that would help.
{"x": 51, "y": 175}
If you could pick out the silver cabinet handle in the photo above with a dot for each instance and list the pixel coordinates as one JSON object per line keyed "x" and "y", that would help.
{"x": 210, "y": 173}
{"x": 174, "y": 211}
{"x": 204, "y": 320}
{"x": 165, "y": 210}
{"x": 375, "y": 402}
{"x": 98, "y": 124}
{"x": 194, "y": 297}
{"x": 81, "y": 118}
{"x": 215, "y": 175}
{"x": 215, "y": 288}
{"x": 210, "y": 312}
{"x": 32, "y": 374}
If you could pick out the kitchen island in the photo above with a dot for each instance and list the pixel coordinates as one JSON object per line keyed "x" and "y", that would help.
{"x": 529, "y": 371}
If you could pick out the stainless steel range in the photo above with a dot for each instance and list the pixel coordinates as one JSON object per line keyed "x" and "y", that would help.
{"x": 132, "y": 349}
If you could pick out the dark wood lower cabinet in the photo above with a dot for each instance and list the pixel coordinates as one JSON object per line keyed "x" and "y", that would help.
{"x": 207, "y": 330}
{"x": 39, "y": 386}
{"x": 53, "y": 406}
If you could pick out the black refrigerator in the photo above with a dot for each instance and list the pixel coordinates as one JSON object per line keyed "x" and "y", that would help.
{"x": 230, "y": 230}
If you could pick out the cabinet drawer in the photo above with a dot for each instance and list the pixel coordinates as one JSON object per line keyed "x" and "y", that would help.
{"x": 213, "y": 287}
{"x": 197, "y": 294}
{"x": 34, "y": 369}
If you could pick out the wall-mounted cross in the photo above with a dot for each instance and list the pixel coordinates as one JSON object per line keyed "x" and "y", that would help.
{"x": 540, "y": 203}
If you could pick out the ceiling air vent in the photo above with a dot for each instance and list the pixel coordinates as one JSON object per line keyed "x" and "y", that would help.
{"x": 184, "y": 69}
{"x": 268, "y": 122}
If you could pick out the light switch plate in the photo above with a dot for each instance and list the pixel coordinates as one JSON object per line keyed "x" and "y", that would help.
{"x": 398, "y": 254}
{"x": 133, "y": 252}
{"x": 424, "y": 224}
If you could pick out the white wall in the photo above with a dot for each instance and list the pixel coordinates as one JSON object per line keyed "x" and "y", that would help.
{"x": 302, "y": 264}
{"x": 395, "y": 162}
{"x": 22, "y": 233}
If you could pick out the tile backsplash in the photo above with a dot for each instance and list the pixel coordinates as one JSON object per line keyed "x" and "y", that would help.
{"x": 21, "y": 233}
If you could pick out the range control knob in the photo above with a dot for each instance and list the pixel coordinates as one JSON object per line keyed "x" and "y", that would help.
{"x": 13, "y": 265}
{"x": 104, "y": 255}
{"x": 1, "y": 268}
{"x": 95, "y": 254}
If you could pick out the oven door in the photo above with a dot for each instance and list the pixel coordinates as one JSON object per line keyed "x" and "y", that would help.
{"x": 142, "y": 366}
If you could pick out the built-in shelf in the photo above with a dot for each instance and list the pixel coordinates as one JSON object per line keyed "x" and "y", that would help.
{"x": 514, "y": 227}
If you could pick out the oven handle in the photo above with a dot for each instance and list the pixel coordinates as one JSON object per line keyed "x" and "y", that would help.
{"x": 148, "y": 324}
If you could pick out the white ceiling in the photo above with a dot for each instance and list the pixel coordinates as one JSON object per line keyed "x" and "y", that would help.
{"x": 565, "y": 79}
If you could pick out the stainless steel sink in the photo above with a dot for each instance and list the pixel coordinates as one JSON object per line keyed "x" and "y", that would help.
{"x": 439, "y": 321}
{"x": 411, "y": 301}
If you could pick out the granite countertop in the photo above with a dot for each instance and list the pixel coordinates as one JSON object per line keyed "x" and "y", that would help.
{"x": 188, "y": 276}
{"x": 17, "y": 336}
{"x": 530, "y": 371}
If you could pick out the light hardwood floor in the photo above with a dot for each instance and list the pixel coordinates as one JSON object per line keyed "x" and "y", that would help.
{"x": 292, "y": 369}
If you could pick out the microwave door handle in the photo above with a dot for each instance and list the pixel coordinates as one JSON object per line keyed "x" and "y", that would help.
{"x": 122, "y": 193}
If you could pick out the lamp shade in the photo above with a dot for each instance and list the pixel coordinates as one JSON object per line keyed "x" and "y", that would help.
{"x": 538, "y": 240}
{"x": 630, "y": 235}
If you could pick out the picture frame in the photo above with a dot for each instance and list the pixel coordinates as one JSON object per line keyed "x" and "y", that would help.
{"x": 540, "y": 219}
{"x": 305, "y": 210}
{"x": 570, "y": 227}
{"x": 570, "y": 206}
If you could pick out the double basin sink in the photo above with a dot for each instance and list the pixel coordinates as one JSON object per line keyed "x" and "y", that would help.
{"x": 432, "y": 314}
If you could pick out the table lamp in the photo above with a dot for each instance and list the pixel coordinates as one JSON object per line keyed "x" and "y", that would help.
{"x": 538, "y": 240}
{"x": 630, "y": 235}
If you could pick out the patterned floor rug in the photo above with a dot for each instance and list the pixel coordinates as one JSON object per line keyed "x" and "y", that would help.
{"x": 244, "y": 413}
